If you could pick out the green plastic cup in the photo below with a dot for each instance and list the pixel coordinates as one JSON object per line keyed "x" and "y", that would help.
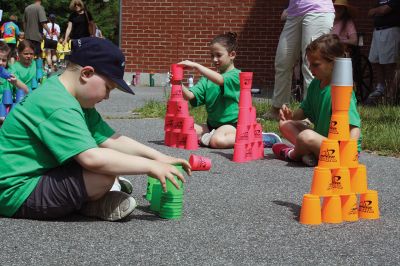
{"x": 155, "y": 196}
{"x": 171, "y": 203}
{"x": 150, "y": 182}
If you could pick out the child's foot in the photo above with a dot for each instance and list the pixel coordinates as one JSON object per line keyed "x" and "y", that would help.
{"x": 309, "y": 160}
{"x": 206, "y": 138}
{"x": 281, "y": 151}
{"x": 270, "y": 139}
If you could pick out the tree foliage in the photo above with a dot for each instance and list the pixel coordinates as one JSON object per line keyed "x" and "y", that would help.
{"x": 105, "y": 14}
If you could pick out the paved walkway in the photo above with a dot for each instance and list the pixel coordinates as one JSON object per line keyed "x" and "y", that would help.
{"x": 235, "y": 214}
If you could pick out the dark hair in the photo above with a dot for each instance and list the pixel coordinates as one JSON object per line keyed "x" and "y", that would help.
{"x": 228, "y": 40}
{"x": 328, "y": 45}
{"x": 24, "y": 44}
{"x": 4, "y": 47}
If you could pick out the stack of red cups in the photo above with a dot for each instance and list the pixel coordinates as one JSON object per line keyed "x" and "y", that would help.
{"x": 179, "y": 125}
{"x": 248, "y": 144}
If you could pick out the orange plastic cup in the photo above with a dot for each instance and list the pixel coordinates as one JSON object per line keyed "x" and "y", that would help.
{"x": 329, "y": 154}
{"x": 321, "y": 183}
{"x": 246, "y": 80}
{"x": 358, "y": 179}
{"x": 341, "y": 96}
{"x": 199, "y": 163}
{"x": 368, "y": 208}
{"x": 349, "y": 208}
{"x": 341, "y": 181}
{"x": 348, "y": 153}
{"x": 332, "y": 210}
{"x": 339, "y": 128}
{"x": 310, "y": 212}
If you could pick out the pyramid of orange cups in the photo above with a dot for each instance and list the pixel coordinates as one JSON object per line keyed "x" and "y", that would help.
{"x": 248, "y": 143}
{"x": 339, "y": 179}
{"x": 179, "y": 125}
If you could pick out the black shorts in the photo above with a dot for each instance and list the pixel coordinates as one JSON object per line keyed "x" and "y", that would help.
{"x": 37, "y": 49}
{"x": 60, "y": 192}
{"x": 210, "y": 128}
{"x": 13, "y": 49}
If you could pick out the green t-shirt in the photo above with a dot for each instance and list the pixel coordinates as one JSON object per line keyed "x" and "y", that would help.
{"x": 222, "y": 102}
{"x": 45, "y": 130}
{"x": 317, "y": 107}
{"x": 24, "y": 74}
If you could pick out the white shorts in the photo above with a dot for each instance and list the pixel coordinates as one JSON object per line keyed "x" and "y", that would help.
{"x": 385, "y": 46}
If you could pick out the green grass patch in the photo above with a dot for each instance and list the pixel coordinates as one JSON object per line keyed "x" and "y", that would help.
{"x": 379, "y": 125}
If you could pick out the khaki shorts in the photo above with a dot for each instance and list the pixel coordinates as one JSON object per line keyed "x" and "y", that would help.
{"x": 385, "y": 46}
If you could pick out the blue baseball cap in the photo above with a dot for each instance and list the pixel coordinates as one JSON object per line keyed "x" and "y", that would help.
{"x": 104, "y": 56}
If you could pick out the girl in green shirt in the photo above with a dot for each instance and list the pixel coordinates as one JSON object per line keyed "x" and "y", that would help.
{"x": 219, "y": 91}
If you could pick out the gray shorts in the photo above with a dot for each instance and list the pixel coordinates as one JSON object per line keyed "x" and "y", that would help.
{"x": 385, "y": 46}
{"x": 61, "y": 191}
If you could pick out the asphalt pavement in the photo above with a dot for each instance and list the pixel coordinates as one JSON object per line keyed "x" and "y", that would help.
{"x": 234, "y": 214}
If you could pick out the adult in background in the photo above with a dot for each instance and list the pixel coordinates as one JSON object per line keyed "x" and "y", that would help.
{"x": 385, "y": 44}
{"x": 343, "y": 25}
{"x": 34, "y": 21}
{"x": 80, "y": 22}
{"x": 306, "y": 21}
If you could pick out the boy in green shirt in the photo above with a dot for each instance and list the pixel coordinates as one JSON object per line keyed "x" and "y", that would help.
{"x": 61, "y": 156}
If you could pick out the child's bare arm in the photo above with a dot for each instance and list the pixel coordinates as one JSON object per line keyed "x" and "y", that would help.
{"x": 209, "y": 73}
{"x": 187, "y": 94}
{"x": 132, "y": 147}
{"x": 19, "y": 84}
{"x": 111, "y": 162}
{"x": 285, "y": 113}
{"x": 355, "y": 132}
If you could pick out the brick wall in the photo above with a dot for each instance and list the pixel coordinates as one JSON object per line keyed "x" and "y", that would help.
{"x": 156, "y": 34}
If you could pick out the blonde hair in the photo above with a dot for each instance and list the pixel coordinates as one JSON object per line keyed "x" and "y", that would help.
{"x": 74, "y": 3}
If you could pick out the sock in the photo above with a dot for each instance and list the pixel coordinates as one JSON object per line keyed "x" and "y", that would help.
{"x": 116, "y": 186}
{"x": 290, "y": 154}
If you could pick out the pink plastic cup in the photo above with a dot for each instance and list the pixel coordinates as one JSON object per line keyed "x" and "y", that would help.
{"x": 187, "y": 124}
{"x": 169, "y": 122}
{"x": 181, "y": 141}
{"x": 177, "y": 72}
{"x": 171, "y": 107}
{"x": 239, "y": 153}
{"x": 182, "y": 108}
{"x": 246, "y": 80}
{"x": 242, "y": 134}
{"x": 192, "y": 142}
{"x": 245, "y": 99}
{"x": 244, "y": 116}
{"x": 199, "y": 163}
{"x": 176, "y": 91}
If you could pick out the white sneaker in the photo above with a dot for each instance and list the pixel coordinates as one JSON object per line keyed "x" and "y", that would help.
{"x": 309, "y": 160}
{"x": 126, "y": 185}
{"x": 206, "y": 138}
{"x": 114, "y": 206}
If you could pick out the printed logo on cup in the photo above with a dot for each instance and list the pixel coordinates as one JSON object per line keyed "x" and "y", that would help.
{"x": 332, "y": 127}
{"x": 328, "y": 155}
{"x": 336, "y": 183}
{"x": 353, "y": 210}
{"x": 366, "y": 206}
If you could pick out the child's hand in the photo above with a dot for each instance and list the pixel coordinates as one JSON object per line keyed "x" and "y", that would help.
{"x": 188, "y": 63}
{"x": 172, "y": 160}
{"x": 12, "y": 80}
{"x": 163, "y": 171}
{"x": 285, "y": 113}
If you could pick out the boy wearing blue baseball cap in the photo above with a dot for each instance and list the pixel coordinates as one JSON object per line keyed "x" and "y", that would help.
{"x": 57, "y": 154}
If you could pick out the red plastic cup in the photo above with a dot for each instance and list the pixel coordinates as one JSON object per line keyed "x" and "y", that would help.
{"x": 177, "y": 125}
{"x": 182, "y": 108}
{"x": 258, "y": 132}
{"x": 239, "y": 153}
{"x": 245, "y": 99}
{"x": 177, "y": 72}
{"x": 181, "y": 141}
{"x": 187, "y": 124}
{"x": 242, "y": 134}
{"x": 253, "y": 115}
{"x": 169, "y": 122}
{"x": 173, "y": 141}
{"x": 199, "y": 163}
{"x": 171, "y": 107}
{"x": 244, "y": 116}
{"x": 192, "y": 142}
{"x": 176, "y": 91}
{"x": 246, "y": 80}
{"x": 249, "y": 151}
{"x": 167, "y": 137}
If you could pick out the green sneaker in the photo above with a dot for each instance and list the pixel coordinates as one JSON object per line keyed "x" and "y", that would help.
{"x": 126, "y": 185}
{"x": 114, "y": 206}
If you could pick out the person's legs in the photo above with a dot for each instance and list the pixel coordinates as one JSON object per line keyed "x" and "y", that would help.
{"x": 313, "y": 26}
{"x": 287, "y": 53}
{"x": 308, "y": 141}
{"x": 48, "y": 59}
{"x": 223, "y": 137}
